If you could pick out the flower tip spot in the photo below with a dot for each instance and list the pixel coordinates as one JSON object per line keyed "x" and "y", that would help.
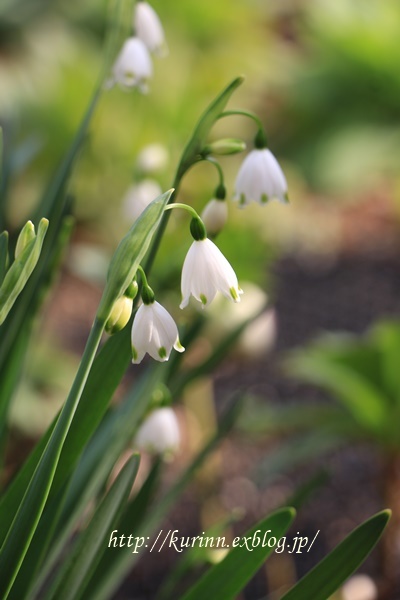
{"x": 162, "y": 353}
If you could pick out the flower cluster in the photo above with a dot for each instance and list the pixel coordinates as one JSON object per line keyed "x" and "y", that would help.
{"x": 133, "y": 66}
{"x": 205, "y": 272}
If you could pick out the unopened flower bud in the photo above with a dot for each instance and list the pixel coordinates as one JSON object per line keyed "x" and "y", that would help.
{"x": 225, "y": 146}
{"x": 132, "y": 290}
{"x": 215, "y": 215}
{"x": 120, "y": 315}
{"x": 26, "y": 236}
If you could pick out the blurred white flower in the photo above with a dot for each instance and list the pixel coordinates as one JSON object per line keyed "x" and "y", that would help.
{"x": 205, "y": 272}
{"x": 359, "y": 587}
{"x": 260, "y": 336}
{"x": 152, "y": 159}
{"x": 159, "y": 432}
{"x": 260, "y": 179}
{"x": 138, "y": 197}
{"x": 148, "y": 28}
{"x": 215, "y": 215}
{"x": 154, "y": 331}
{"x": 133, "y": 67}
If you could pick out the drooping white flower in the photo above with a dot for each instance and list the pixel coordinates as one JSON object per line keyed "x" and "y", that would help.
{"x": 154, "y": 331}
{"x": 138, "y": 197}
{"x": 215, "y": 215}
{"x": 159, "y": 432}
{"x": 205, "y": 272}
{"x": 133, "y": 67}
{"x": 148, "y": 28}
{"x": 260, "y": 179}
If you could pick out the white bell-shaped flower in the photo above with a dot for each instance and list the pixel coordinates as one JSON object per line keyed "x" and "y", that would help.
{"x": 205, "y": 272}
{"x": 215, "y": 215}
{"x": 159, "y": 432}
{"x": 133, "y": 67}
{"x": 260, "y": 179}
{"x": 138, "y": 197}
{"x": 154, "y": 331}
{"x": 148, "y": 28}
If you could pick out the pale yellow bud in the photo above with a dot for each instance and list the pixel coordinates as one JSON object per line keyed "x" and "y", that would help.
{"x": 120, "y": 315}
{"x": 26, "y": 236}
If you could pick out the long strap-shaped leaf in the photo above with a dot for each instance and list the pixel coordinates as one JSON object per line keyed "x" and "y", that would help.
{"x": 30, "y": 510}
{"x": 82, "y": 560}
{"x": 109, "y": 566}
{"x": 227, "y": 578}
{"x": 322, "y": 581}
{"x": 110, "y": 363}
{"x": 110, "y": 573}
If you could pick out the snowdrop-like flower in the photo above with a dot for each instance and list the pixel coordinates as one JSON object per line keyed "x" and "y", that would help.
{"x": 205, "y": 272}
{"x": 138, "y": 197}
{"x": 215, "y": 215}
{"x": 133, "y": 67}
{"x": 159, "y": 432}
{"x": 149, "y": 29}
{"x": 154, "y": 331}
{"x": 260, "y": 179}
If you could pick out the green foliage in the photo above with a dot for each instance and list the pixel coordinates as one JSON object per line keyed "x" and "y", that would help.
{"x": 227, "y": 578}
{"x": 21, "y": 269}
{"x": 322, "y": 581}
{"x": 339, "y": 115}
{"x": 361, "y": 374}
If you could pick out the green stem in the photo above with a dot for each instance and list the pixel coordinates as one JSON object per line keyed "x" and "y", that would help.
{"x": 243, "y": 113}
{"x": 143, "y": 276}
{"x": 186, "y": 207}
{"x": 32, "y": 505}
{"x": 146, "y": 291}
{"x": 221, "y": 186}
{"x": 260, "y": 141}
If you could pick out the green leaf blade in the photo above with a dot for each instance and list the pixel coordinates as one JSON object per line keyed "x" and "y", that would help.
{"x": 3, "y": 255}
{"x": 322, "y": 581}
{"x": 82, "y": 561}
{"x": 207, "y": 120}
{"x": 20, "y": 271}
{"x": 227, "y": 578}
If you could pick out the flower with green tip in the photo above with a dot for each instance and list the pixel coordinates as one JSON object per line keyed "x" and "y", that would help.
{"x": 206, "y": 272}
{"x": 260, "y": 179}
{"x": 154, "y": 331}
{"x": 133, "y": 67}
